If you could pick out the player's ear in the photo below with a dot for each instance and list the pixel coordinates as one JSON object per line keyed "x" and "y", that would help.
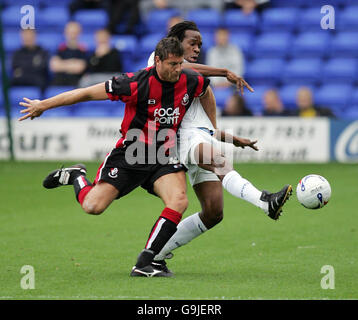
{"x": 156, "y": 60}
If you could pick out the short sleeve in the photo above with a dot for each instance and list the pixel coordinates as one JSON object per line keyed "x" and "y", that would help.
{"x": 117, "y": 87}
{"x": 203, "y": 84}
{"x": 151, "y": 60}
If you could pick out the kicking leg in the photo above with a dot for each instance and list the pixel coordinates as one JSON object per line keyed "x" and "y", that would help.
{"x": 171, "y": 188}
{"x": 211, "y": 159}
{"x": 94, "y": 199}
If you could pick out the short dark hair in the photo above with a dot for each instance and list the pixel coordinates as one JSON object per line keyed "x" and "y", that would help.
{"x": 168, "y": 46}
{"x": 178, "y": 30}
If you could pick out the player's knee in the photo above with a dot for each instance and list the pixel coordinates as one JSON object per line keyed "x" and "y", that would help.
{"x": 213, "y": 213}
{"x": 92, "y": 208}
{"x": 221, "y": 166}
{"x": 179, "y": 202}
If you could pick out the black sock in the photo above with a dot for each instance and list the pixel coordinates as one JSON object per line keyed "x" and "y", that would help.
{"x": 79, "y": 182}
{"x": 161, "y": 232}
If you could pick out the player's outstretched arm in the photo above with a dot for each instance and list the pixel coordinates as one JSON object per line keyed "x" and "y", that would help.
{"x": 236, "y": 141}
{"x": 35, "y": 108}
{"x": 208, "y": 71}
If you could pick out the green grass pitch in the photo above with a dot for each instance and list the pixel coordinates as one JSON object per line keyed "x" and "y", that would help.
{"x": 246, "y": 256}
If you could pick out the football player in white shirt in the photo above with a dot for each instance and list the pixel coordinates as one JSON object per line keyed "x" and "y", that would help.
{"x": 200, "y": 151}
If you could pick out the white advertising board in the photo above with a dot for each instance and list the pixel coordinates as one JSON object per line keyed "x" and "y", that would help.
{"x": 279, "y": 139}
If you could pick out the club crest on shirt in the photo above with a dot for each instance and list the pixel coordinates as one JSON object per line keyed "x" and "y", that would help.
{"x": 113, "y": 173}
{"x": 185, "y": 100}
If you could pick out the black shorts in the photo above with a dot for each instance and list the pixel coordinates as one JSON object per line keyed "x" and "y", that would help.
{"x": 126, "y": 177}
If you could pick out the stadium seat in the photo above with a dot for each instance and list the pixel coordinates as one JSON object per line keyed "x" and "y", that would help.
{"x": 310, "y": 45}
{"x": 221, "y": 95}
{"x": 17, "y": 94}
{"x": 347, "y": 19}
{"x": 264, "y": 71}
{"x": 341, "y": 70}
{"x": 50, "y": 41}
{"x": 350, "y": 113}
{"x": 344, "y": 44}
{"x": 354, "y": 98}
{"x": 34, "y": 3}
{"x": 254, "y": 100}
{"x": 50, "y": 3}
{"x": 125, "y": 43}
{"x": 302, "y": 71}
{"x": 106, "y": 108}
{"x": 91, "y": 109}
{"x": 334, "y": 96}
{"x": 207, "y": 20}
{"x": 91, "y": 19}
{"x": 88, "y": 40}
{"x": 52, "y": 19}
{"x": 12, "y": 41}
{"x": 236, "y": 21}
{"x": 157, "y": 19}
{"x": 61, "y": 112}
{"x": 288, "y": 94}
{"x": 208, "y": 40}
{"x": 310, "y": 19}
{"x": 271, "y": 45}
{"x": 285, "y": 3}
{"x": 242, "y": 41}
{"x": 147, "y": 44}
{"x": 279, "y": 19}
{"x": 12, "y": 16}
{"x": 55, "y": 90}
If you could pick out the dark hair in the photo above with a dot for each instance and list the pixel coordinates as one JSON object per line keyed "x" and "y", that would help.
{"x": 168, "y": 46}
{"x": 178, "y": 30}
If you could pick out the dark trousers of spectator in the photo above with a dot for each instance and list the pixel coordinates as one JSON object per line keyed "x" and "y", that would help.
{"x": 121, "y": 10}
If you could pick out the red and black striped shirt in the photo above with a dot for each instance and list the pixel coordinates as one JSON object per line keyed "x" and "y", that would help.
{"x": 153, "y": 104}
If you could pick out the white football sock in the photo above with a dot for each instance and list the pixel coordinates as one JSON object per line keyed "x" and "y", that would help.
{"x": 187, "y": 230}
{"x": 243, "y": 189}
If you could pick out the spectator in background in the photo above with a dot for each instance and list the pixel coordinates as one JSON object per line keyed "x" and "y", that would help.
{"x": 224, "y": 55}
{"x": 273, "y": 106}
{"x": 306, "y": 107}
{"x": 76, "y": 5}
{"x": 247, "y": 6}
{"x": 30, "y": 62}
{"x": 69, "y": 63}
{"x": 235, "y": 106}
{"x": 103, "y": 62}
{"x": 124, "y": 11}
{"x": 173, "y": 21}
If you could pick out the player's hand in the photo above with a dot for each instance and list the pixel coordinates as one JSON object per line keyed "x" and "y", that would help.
{"x": 241, "y": 142}
{"x": 33, "y": 109}
{"x": 238, "y": 81}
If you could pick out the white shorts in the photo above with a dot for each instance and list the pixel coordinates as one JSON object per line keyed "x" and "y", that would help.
{"x": 189, "y": 139}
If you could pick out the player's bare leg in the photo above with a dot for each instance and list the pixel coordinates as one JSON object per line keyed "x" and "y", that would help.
{"x": 94, "y": 199}
{"x": 171, "y": 188}
{"x": 213, "y": 160}
{"x": 99, "y": 198}
{"x": 210, "y": 195}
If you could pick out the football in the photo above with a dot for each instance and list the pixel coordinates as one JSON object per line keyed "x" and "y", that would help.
{"x": 313, "y": 191}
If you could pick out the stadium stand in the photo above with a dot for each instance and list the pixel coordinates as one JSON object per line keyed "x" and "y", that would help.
{"x": 284, "y": 47}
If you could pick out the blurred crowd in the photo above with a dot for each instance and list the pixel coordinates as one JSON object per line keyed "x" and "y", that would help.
{"x": 73, "y": 65}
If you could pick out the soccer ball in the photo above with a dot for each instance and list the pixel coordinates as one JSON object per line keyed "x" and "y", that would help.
{"x": 313, "y": 191}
